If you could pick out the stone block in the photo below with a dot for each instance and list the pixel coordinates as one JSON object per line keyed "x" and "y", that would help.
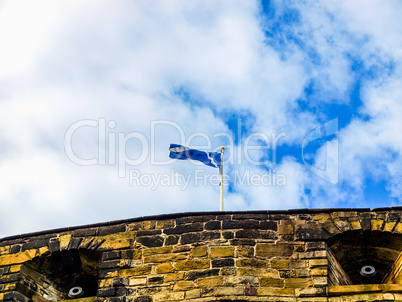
{"x": 222, "y": 251}
{"x": 210, "y": 282}
{"x": 252, "y": 263}
{"x": 151, "y": 241}
{"x": 317, "y": 262}
{"x": 222, "y": 262}
{"x": 298, "y": 282}
{"x": 276, "y": 292}
{"x": 276, "y": 263}
{"x": 184, "y": 228}
{"x": 270, "y": 250}
{"x": 286, "y": 229}
{"x": 314, "y": 246}
{"x": 138, "y": 271}
{"x": 213, "y": 225}
{"x": 183, "y": 285}
{"x": 174, "y": 277}
{"x": 193, "y": 294}
{"x": 240, "y": 224}
{"x": 258, "y": 272}
{"x": 186, "y": 265}
{"x": 202, "y": 274}
{"x": 168, "y": 296}
{"x": 115, "y": 241}
{"x": 199, "y": 251}
{"x": 272, "y": 282}
{"x": 157, "y": 250}
{"x": 164, "y": 268}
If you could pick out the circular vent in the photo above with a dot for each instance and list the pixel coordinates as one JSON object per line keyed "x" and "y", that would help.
{"x": 368, "y": 271}
{"x": 75, "y": 292}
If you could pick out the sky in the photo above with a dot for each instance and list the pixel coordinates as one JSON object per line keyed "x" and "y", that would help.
{"x": 304, "y": 95}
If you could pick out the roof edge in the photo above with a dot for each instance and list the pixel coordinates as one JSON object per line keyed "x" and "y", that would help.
{"x": 189, "y": 214}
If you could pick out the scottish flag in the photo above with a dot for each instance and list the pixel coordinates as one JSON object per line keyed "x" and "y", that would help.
{"x": 212, "y": 159}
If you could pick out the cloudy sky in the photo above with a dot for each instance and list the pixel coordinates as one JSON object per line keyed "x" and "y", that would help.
{"x": 305, "y": 96}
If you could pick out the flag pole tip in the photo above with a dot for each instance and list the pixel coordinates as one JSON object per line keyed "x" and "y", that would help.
{"x": 222, "y": 148}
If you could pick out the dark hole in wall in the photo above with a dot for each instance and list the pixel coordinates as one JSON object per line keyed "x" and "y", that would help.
{"x": 356, "y": 249}
{"x": 51, "y": 277}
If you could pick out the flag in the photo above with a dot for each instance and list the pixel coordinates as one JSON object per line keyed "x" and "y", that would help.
{"x": 212, "y": 159}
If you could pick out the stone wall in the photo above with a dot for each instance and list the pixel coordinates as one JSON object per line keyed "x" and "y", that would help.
{"x": 295, "y": 255}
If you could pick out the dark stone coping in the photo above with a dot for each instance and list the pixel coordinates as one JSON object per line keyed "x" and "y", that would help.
{"x": 189, "y": 214}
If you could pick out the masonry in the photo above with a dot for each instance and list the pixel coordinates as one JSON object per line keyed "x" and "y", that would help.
{"x": 294, "y": 255}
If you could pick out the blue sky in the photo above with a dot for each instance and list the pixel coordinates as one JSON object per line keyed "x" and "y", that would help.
{"x": 92, "y": 94}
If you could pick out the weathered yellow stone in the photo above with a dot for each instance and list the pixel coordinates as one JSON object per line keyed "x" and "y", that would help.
{"x": 160, "y": 258}
{"x": 4, "y": 249}
{"x": 112, "y": 274}
{"x": 174, "y": 277}
{"x": 270, "y": 250}
{"x": 259, "y": 272}
{"x": 168, "y": 296}
{"x": 236, "y": 280}
{"x": 9, "y": 259}
{"x": 137, "y": 281}
{"x": 117, "y": 241}
{"x": 306, "y": 255}
{"x": 389, "y": 226}
{"x": 298, "y": 263}
{"x": 398, "y": 228}
{"x": 183, "y": 285}
{"x": 319, "y": 272}
{"x": 106, "y": 282}
{"x": 320, "y": 281}
{"x": 137, "y": 254}
{"x": 279, "y": 263}
{"x": 351, "y": 289}
{"x": 165, "y": 224}
{"x": 209, "y": 282}
{"x": 356, "y": 225}
{"x": 64, "y": 241}
{"x": 245, "y": 251}
{"x": 141, "y": 225}
{"x": 15, "y": 268}
{"x": 310, "y": 292}
{"x": 271, "y": 282}
{"x": 320, "y": 254}
{"x": 164, "y": 268}
{"x": 138, "y": 271}
{"x": 157, "y": 250}
{"x": 222, "y": 251}
{"x": 298, "y": 282}
{"x": 270, "y": 291}
{"x": 224, "y": 291}
{"x": 193, "y": 294}
{"x": 10, "y": 287}
{"x": 186, "y": 265}
{"x": 43, "y": 250}
{"x": 376, "y": 225}
{"x": 317, "y": 262}
{"x": 321, "y": 217}
{"x": 199, "y": 251}
{"x": 285, "y": 229}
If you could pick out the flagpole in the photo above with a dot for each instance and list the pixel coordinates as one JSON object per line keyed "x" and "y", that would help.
{"x": 221, "y": 170}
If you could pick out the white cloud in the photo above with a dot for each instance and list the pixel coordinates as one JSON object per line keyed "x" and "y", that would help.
{"x": 68, "y": 61}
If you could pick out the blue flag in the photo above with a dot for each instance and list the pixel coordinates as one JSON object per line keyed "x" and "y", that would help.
{"x": 212, "y": 159}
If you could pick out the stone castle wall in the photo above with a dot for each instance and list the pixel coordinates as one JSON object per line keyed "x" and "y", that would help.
{"x": 295, "y": 255}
